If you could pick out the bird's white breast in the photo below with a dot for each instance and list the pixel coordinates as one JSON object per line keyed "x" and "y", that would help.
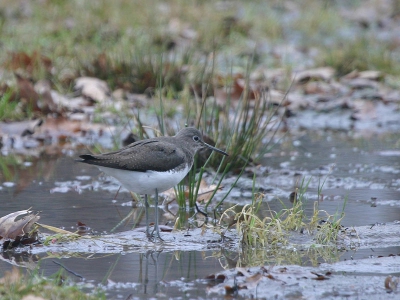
{"x": 146, "y": 182}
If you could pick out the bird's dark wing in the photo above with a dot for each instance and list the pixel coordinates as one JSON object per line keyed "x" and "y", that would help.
{"x": 140, "y": 156}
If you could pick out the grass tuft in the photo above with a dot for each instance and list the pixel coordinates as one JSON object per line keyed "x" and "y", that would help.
{"x": 15, "y": 286}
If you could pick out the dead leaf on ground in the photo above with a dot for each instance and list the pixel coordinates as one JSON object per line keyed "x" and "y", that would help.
{"x": 231, "y": 89}
{"x": 10, "y": 228}
{"x": 252, "y": 281}
{"x": 298, "y": 101}
{"x": 41, "y": 101}
{"x": 360, "y": 83}
{"x": 364, "y": 110}
{"x": 318, "y": 87}
{"x": 93, "y": 88}
{"x": 205, "y": 191}
{"x": 325, "y": 74}
{"x": 371, "y": 75}
{"x": 26, "y": 62}
{"x": 27, "y": 93}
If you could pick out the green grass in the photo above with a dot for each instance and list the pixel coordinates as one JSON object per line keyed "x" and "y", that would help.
{"x": 274, "y": 230}
{"x": 362, "y": 53}
{"x": 121, "y": 41}
{"x": 9, "y": 110}
{"x": 15, "y": 285}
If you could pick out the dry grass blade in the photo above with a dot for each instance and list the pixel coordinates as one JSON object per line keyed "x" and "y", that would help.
{"x": 57, "y": 230}
{"x": 252, "y": 230}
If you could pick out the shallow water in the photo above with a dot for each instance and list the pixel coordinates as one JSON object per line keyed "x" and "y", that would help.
{"x": 353, "y": 171}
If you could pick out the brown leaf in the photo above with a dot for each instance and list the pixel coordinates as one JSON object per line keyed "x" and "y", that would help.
{"x": 27, "y": 92}
{"x": 230, "y": 290}
{"x": 205, "y": 191}
{"x": 319, "y": 276}
{"x": 391, "y": 284}
{"x": 203, "y": 195}
{"x": 164, "y": 228}
{"x": 10, "y": 228}
{"x": 254, "y": 279}
{"x": 231, "y": 89}
{"x": 23, "y": 61}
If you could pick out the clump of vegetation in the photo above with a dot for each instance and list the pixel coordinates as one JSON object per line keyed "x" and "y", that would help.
{"x": 274, "y": 230}
{"x": 14, "y": 286}
{"x": 9, "y": 108}
{"x": 254, "y": 231}
{"x": 362, "y": 53}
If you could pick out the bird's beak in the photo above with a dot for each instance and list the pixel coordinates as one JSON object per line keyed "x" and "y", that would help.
{"x": 215, "y": 149}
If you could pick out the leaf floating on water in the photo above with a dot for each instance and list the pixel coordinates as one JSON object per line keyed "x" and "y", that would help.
{"x": 203, "y": 195}
{"x": 253, "y": 280}
{"x": 10, "y": 228}
{"x": 391, "y": 284}
{"x": 165, "y": 228}
{"x": 319, "y": 276}
{"x": 82, "y": 228}
{"x": 205, "y": 191}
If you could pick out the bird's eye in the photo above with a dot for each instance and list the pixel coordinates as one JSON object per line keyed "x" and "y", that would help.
{"x": 196, "y": 138}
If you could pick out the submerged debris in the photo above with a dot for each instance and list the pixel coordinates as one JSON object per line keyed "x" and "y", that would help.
{"x": 16, "y": 229}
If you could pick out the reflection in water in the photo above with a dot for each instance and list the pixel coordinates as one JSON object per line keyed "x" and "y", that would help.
{"x": 154, "y": 272}
{"x": 360, "y": 171}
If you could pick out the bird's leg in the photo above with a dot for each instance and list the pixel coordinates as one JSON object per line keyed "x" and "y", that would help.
{"x": 156, "y": 227}
{"x": 146, "y": 210}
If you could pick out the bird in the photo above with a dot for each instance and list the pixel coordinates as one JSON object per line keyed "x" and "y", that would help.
{"x": 152, "y": 165}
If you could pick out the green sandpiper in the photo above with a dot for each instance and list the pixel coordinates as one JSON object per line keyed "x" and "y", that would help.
{"x": 153, "y": 165}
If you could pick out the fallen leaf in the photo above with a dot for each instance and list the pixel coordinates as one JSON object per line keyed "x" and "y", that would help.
{"x": 93, "y": 88}
{"x": 23, "y": 61}
{"x": 231, "y": 89}
{"x": 364, "y": 110}
{"x": 254, "y": 279}
{"x": 37, "y": 97}
{"x": 319, "y": 276}
{"x": 204, "y": 193}
{"x": 371, "y": 75}
{"x": 361, "y": 83}
{"x": 325, "y": 74}
{"x": 27, "y": 93}
{"x": 391, "y": 284}
{"x": 10, "y": 228}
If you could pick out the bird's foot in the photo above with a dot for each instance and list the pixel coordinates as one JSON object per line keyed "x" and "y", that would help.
{"x": 155, "y": 235}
